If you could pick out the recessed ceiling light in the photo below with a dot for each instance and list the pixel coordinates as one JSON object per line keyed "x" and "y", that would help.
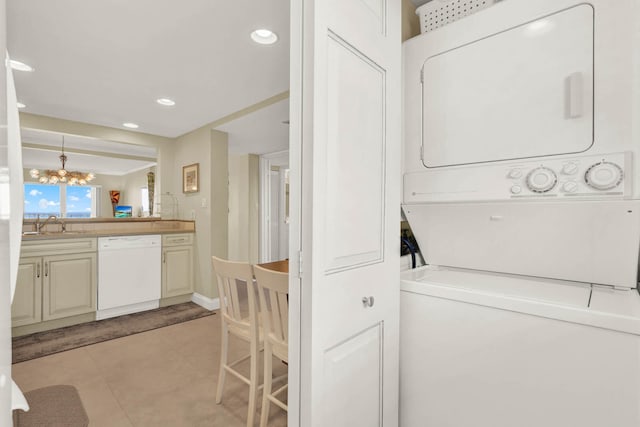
{"x": 130, "y": 125}
{"x": 20, "y": 105}
{"x": 20, "y": 66}
{"x": 166, "y": 101}
{"x": 264, "y": 36}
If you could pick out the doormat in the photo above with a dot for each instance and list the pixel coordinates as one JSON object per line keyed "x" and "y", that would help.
{"x": 42, "y": 344}
{"x": 57, "y": 405}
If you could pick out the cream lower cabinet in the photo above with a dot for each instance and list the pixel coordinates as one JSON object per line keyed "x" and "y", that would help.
{"x": 177, "y": 265}
{"x": 27, "y": 301}
{"x": 59, "y": 283}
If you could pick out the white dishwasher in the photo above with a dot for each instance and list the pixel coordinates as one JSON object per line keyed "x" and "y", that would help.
{"x": 129, "y": 274}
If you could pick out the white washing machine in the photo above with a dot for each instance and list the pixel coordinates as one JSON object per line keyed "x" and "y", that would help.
{"x": 522, "y": 134}
{"x": 497, "y": 350}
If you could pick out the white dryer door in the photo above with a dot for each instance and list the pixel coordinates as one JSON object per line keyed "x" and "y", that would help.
{"x": 520, "y": 93}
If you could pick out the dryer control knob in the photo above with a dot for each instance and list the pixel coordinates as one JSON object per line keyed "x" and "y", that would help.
{"x": 541, "y": 180}
{"x": 604, "y": 175}
{"x": 570, "y": 187}
{"x": 516, "y": 189}
{"x": 515, "y": 173}
{"x": 570, "y": 169}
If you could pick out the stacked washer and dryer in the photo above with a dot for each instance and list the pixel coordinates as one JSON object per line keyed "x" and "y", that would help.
{"x": 521, "y": 183}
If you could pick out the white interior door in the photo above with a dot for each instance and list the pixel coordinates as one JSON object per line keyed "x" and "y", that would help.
{"x": 345, "y": 184}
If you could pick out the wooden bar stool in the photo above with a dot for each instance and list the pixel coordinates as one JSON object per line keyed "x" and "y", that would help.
{"x": 229, "y": 273}
{"x": 273, "y": 291}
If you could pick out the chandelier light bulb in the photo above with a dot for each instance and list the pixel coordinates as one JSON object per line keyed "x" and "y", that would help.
{"x": 43, "y": 179}
{"x": 35, "y": 173}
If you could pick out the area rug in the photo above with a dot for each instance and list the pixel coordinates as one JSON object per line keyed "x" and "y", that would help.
{"x": 57, "y": 405}
{"x": 41, "y": 344}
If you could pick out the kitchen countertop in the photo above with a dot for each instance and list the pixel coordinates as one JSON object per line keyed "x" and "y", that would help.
{"x": 107, "y": 227}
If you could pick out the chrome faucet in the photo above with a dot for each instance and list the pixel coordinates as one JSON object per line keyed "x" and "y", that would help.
{"x": 40, "y": 225}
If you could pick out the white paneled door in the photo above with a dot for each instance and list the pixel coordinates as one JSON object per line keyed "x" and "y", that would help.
{"x": 345, "y": 183}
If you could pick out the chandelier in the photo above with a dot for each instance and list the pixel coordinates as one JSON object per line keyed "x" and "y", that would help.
{"x": 62, "y": 175}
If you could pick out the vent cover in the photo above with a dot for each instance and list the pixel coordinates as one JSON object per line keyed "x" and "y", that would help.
{"x": 438, "y": 13}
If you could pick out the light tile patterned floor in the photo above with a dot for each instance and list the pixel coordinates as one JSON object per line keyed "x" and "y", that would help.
{"x": 164, "y": 377}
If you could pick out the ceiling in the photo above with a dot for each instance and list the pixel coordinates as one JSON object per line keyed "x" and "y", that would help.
{"x": 261, "y": 132}
{"x": 106, "y": 62}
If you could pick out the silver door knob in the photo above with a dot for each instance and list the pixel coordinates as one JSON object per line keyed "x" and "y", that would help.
{"x": 367, "y": 301}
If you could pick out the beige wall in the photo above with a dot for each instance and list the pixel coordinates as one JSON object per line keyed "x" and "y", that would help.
{"x": 410, "y": 21}
{"x": 244, "y": 193}
{"x": 133, "y": 183}
{"x": 108, "y": 183}
{"x": 209, "y": 206}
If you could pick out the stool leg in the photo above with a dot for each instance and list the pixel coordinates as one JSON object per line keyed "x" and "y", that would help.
{"x": 223, "y": 361}
{"x": 253, "y": 386}
{"x": 266, "y": 390}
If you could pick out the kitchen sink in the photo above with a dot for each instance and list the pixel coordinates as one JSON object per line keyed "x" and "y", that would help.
{"x": 51, "y": 233}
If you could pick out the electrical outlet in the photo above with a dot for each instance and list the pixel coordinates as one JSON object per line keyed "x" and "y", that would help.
{"x": 203, "y": 202}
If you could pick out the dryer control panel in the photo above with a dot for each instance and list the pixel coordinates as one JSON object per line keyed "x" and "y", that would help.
{"x": 583, "y": 177}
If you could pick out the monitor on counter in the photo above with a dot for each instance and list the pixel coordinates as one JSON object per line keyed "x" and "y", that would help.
{"x": 123, "y": 212}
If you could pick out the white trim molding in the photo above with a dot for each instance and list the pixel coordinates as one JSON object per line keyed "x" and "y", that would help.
{"x": 206, "y": 302}
{"x": 281, "y": 159}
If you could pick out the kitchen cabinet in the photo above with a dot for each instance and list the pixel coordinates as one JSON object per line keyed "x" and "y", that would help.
{"x": 26, "y": 308}
{"x": 56, "y": 279}
{"x": 177, "y": 264}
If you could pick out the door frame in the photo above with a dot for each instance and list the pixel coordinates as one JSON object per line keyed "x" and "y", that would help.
{"x": 278, "y": 158}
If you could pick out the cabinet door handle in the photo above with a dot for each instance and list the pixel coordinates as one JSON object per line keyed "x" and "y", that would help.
{"x": 164, "y": 257}
{"x": 367, "y": 302}
{"x": 46, "y": 269}
{"x": 38, "y": 270}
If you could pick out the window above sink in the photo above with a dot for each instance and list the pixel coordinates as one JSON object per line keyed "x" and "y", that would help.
{"x": 61, "y": 200}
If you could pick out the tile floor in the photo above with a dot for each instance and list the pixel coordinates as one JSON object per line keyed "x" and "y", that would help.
{"x": 164, "y": 377}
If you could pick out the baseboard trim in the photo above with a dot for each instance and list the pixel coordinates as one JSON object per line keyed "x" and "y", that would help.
{"x": 206, "y": 302}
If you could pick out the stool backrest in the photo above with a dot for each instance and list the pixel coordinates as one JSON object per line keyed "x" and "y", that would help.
{"x": 229, "y": 273}
{"x": 273, "y": 291}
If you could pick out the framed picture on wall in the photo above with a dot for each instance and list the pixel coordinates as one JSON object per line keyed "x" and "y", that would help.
{"x": 191, "y": 178}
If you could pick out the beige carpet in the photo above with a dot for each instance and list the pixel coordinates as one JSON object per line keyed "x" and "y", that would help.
{"x": 41, "y": 344}
{"x": 54, "y": 406}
